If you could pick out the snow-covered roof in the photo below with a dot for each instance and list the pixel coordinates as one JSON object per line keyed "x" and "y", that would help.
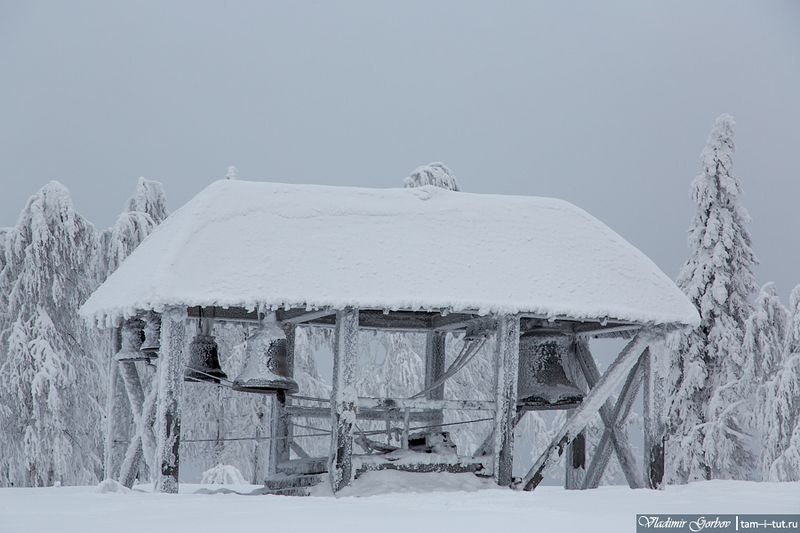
{"x": 250, "y": 244}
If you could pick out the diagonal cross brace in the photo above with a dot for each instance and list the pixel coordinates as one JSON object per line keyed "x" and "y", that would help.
{"x": 618, "y": 438}
{"x": 592, "y": 403}
{"x": 142, "y": 446}
{"x": 621, "y": 411}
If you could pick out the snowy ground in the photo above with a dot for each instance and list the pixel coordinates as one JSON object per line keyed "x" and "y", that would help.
{"x": 459, "y": 503}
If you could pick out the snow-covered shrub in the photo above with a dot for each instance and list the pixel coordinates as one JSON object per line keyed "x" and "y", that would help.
{"x": 223, "y": 475}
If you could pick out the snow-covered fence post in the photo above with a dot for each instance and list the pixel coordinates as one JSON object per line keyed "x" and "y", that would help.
{"x": 280, "y": 424}
{"x": 654, "y": 426}
{"x": 170, "y": 385}
{"x": 114, "y": 413}
{"x": 343, "y": 398}
{"x": 434, "y": 367}
{"x": 507, "y": 360}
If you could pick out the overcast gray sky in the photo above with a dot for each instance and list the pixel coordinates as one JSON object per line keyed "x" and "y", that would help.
{"x": 605, "y": 104}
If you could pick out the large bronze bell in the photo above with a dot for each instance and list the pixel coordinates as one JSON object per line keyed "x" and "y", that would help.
{"x": 132, "y": 335}
{"x": 542, "y": 381}
{"x": 152, "y": 335}
{"x": 203, "y": 364}
{"x": 265, "y": 368}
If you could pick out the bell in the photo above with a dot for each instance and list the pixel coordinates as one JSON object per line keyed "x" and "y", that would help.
{"x": 265, "y": 368}
{"x": 542, "y": 381}
{"x": 132, "y": 335}
{"x": 152, "y": 335}
{"x": 203, "y": 364}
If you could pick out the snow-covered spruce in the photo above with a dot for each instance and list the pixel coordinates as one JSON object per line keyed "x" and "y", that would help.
{"x": 436, "y": 174}
{"x": 781, "y": 456}
{"x": 51, "y": 397}
{"x": 764, "y": 342}
{"x": 707, "y": 440}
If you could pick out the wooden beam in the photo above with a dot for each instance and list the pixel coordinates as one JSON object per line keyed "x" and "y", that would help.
{"x": 170, "y": 388}
{"x": 434, "y": 368}
{"x": 507, "y": 360}
{"x": 575, "y": 465}
{"x": 654, "y": 426}
{"x": 622, "y": 409}
{"x": 343, "y": 398}
{"x": 424, "y": 403}
{"x": 300, "y": 316}
{"x": 141, "y": 446}
{"x": 136, "y": 401}
{"x": 311, "y": 411}
{"x": 582, "y": 414}
{"x": 280, "y": 422}
{"x": 619, "y": 439}
{"x": 115, "y": 412}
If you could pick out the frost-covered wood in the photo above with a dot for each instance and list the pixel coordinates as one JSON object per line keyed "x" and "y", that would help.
{"x": 602, "y": 453}
{"x": 281, "y": 424}
{"x": 582, "y": 414}
{"x": 142, "y": 446}
{"x": 434, "y": 366}
{"x": 343, "y": 398}
{"x": 507, "y": 361}
{"x": 170, "y": 385}
{"x": 618, "y": 438}
{"x": 575, "y": 464}
{"x": 653, "y": 408}
{"x": 117, "y": 413}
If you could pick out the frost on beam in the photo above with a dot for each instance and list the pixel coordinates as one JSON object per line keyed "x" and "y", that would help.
{"x": 170, "y": 385}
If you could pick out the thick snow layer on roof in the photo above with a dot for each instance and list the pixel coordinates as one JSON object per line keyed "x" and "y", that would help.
{"x": 251, "y": 244}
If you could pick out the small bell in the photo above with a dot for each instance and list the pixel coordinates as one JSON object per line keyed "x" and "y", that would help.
{"x": 265, "y": 369}
{"x": 203, "y": 364}
{"x": 542, "y": 381}
{"x": 152, "y": 335}
{"x": 132, "y": 336}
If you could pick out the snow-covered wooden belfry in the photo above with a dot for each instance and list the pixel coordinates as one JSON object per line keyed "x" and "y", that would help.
{"x": 533, "y": 278}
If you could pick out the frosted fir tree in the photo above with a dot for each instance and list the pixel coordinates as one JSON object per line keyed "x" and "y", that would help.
{"x": 143, "y": 212}
{"x": 436, "y": 174}
{"x": 149, "y": 198}
{"x": 50, "y": 386}
{"x": 765, "y": 336}
{"x": 782, "y": 424}
{"x": 764, "y": 340}
{"x": 403, "y": 371}
{"x": 706, "y": 434}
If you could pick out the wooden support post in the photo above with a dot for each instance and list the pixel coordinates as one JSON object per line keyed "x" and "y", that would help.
{"x": 280, "y": 422}
{"x": 654, "y": 426}
{"x": 507, "y": 360}
{"x": 170, "y": 386}
{"x": 582, "y": 414}
{"x": 434, "y": 368}
{"x": 343, "y": 398}
{"x": 116, "y": 413}
{"x": 622, "y": 409}
{"x": 619, "y": 439}
{"x": 576, "y": 462}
